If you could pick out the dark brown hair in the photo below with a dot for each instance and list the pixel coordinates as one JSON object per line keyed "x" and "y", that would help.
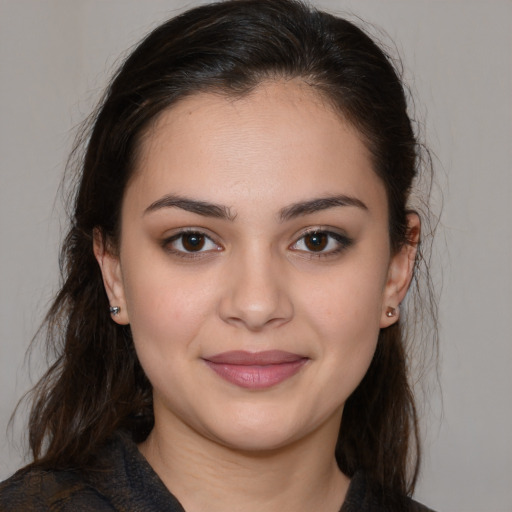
{"x": 96, "y": 384}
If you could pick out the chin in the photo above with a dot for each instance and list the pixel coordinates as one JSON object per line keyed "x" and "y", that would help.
{"x": 254, "y": 430}
{"x": 262, "y": 441}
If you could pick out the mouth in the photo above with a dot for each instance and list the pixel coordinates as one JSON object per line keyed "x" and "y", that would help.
{"x": 256, "y": 370}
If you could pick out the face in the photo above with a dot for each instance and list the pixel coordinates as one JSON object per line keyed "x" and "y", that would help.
{"x": 254, "y": 266}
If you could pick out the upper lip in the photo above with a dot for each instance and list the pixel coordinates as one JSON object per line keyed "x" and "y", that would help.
{"x": 267, "y": 357}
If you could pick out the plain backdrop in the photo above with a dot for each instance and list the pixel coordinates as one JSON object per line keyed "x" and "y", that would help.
{"x": 55, "y": 58}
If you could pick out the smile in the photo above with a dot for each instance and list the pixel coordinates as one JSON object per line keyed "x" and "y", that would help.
{"x": 256, "y": 370}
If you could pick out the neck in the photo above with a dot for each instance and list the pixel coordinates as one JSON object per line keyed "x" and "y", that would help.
{"x": 206, "y": 475}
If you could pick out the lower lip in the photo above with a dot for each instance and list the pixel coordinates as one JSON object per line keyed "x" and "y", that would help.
{"x": 257, "y": 376}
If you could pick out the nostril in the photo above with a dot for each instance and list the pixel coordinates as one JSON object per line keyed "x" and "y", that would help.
{"x": 256, "y": 312}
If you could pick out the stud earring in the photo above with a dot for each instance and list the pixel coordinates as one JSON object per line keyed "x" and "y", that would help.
{"x": 390, "y": 312}
{"x": 114, "y": 310}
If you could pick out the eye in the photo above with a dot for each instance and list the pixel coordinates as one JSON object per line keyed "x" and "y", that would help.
{"x": 322, "y": 243}
{"x": 188, "y": 243}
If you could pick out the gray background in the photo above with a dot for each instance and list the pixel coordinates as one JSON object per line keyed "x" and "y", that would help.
{"x": 55, "y": 57}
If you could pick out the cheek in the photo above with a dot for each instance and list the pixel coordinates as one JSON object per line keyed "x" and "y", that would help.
{"x": 165, "y": 309}
{"x": 344, "y": 312}
{"x": 348, "y": 304}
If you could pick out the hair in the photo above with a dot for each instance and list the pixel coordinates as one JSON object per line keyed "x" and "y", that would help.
{"x": 96, "y": 384}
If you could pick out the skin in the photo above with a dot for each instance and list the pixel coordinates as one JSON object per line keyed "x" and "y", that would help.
{"x": 254, "y": 285}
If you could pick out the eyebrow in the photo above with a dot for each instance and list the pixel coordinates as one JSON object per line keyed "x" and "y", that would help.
{"x": 217, "y": 211}
{"x": 191, "y": 205}
{"x": 316, "y": 205}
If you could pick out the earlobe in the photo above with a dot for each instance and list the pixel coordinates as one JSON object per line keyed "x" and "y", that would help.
{"x": 110, "y": 267}
{"x": 400, "y": 272}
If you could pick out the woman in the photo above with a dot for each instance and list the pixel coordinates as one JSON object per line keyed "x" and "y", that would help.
{"x": 229, "y": 330}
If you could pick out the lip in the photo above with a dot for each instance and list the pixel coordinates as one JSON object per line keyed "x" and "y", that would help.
{"x": 256, "y": 370}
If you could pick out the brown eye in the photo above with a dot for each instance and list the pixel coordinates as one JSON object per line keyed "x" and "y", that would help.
{"x": 193, "y": 242}
{"x": 316, "y": 241}
{"x": 190, "y": 244}
{"x": 322, "y": 243}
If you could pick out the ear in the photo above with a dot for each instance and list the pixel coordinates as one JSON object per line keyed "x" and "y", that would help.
{"x": 112, "y": 276}
{"x": 400, "y": 272}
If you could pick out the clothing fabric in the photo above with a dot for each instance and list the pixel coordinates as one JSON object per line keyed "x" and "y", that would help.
{"x": 123, "y": 481}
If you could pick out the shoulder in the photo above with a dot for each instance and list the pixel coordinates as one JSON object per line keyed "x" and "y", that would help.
{"x": 117, "y": 479}
{"x": 42, "y": 490}
{"x": 59, "y": 490}
{"x": 364, "y": 495}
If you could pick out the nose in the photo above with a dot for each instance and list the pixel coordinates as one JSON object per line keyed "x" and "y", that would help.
{"x": 255, "y": 296}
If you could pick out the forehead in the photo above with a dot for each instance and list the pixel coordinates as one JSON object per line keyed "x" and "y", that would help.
{"x": 282, "y": 139}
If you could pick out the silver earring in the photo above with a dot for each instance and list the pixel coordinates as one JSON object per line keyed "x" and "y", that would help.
{"x": 114, "y": 310}
{"x": 391, "y": 312}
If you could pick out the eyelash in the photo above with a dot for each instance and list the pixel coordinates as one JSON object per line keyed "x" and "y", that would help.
{"x": 342, "y": 242}
{"x": 184, "y": 253}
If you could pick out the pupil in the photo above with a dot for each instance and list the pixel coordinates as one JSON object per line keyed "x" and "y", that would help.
{"x": 316, "y": 241}
{"x": 193, "y": 242}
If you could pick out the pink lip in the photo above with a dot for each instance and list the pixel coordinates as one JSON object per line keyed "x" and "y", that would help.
{"x": 256, "y": 370}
